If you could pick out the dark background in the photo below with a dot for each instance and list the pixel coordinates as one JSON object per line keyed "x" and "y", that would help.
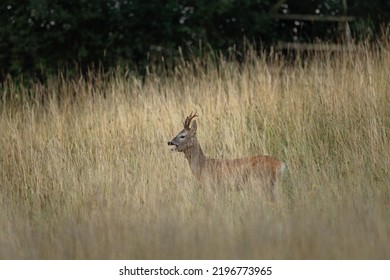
{"x": 39, "y": 37}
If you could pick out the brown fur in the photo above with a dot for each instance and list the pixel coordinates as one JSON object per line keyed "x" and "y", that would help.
{"x": 262, "y": 167}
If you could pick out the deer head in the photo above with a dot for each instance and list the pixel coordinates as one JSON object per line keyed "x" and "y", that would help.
{"x": 186, "y": 137}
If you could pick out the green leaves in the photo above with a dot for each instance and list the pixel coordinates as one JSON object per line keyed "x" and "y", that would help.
{"x": 46, "y": 35}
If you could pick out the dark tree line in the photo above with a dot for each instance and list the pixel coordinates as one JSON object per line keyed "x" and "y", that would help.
{"x": 42, "y": 36}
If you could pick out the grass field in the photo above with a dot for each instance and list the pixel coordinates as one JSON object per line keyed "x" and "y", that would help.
{"x": 86, "y": 173}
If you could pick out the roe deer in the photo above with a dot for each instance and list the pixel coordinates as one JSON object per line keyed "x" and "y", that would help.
{"x": 265, "y": 168}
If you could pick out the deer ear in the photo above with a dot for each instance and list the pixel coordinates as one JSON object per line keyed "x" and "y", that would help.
{"x": 194, "y": 127}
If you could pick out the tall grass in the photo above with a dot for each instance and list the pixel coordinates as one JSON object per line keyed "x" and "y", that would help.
{"x": 85, "y": 172}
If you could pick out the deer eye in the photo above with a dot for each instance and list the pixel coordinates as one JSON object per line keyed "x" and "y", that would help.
{"x": 182, "y": 136}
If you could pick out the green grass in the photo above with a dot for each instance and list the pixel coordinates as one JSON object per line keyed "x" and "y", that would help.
{"x": 85, "y": 177}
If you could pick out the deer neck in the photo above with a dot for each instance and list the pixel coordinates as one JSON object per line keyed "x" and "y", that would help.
{"x": 195, "y": 157}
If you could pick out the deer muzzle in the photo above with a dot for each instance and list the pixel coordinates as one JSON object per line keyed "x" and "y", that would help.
{"x": 170, "y": 143}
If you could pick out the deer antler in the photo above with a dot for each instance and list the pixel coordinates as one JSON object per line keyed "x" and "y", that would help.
{"x": 189, "y": 119}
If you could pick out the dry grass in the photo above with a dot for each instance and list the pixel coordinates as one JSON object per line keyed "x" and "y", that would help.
{"x": 93, "y": 178}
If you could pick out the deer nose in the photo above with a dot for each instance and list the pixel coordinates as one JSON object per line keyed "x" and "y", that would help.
{"x": 170, "y": 143}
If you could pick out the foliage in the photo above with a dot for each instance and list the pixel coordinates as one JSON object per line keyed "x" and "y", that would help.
{"x": 40, "y": 36}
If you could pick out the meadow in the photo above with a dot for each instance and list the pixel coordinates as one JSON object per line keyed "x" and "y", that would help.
{"x": 86, "y": 173}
